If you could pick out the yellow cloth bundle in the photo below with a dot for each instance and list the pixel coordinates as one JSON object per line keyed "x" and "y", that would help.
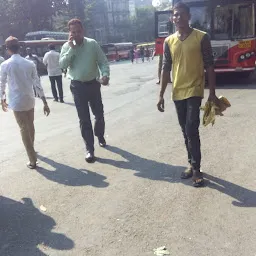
{"x": 211, "y": 110}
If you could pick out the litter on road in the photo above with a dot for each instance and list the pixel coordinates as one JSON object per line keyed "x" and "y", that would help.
{"x": 161, "y": 251}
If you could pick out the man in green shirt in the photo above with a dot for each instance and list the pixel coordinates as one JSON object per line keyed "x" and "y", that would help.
{"x": 83, "y": 58}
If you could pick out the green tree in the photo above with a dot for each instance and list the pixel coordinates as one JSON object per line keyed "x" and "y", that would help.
{"x": 81, "y": 9}
{"x": 19, "y": 17}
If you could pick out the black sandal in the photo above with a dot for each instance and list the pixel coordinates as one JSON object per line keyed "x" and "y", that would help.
{"x": 198, "y": 179}
{"x": 188, "y": 173}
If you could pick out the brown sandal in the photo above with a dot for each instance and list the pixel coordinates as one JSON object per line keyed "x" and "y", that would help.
{"x": 198, "y": 179}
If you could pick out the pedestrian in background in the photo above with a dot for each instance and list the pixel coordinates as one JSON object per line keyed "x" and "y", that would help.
{"x": 51, "y": 60}
{"x": 142, "y": 53}
{"x": 83, "y": 58}
{"x": 22, "y": 76}
{"x": 136, "y": 54}
{"x": 34, "y": 58}
{"x": 147, "y": 54}
{"x": 132, "y": 54}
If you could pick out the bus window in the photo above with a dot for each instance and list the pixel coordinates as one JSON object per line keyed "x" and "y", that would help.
{"x": 243, "y": 20}
{"x": 233, "y": 22}
{"x": 200, "y": 18}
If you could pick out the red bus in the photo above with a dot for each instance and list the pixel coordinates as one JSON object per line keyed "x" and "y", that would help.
{"x": 110, "y": 51}
{"x": 117, "y": 51}
{"x": 231, "y": 26}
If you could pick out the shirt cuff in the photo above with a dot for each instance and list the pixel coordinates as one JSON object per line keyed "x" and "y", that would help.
{"x": 105, "y": 74}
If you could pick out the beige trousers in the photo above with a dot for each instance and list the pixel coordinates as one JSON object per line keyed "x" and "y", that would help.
{"x": 25, "y": 120}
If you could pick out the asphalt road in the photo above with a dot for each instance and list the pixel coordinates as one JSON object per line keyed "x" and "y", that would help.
{"x": 132, "y": 199}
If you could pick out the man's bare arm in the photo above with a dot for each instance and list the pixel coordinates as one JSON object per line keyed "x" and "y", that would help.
{"x": 165, "y": 75}
{"x": 209, "y": 67}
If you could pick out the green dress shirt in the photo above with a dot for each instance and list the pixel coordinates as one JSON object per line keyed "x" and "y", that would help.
{"x": 84, "y": 61}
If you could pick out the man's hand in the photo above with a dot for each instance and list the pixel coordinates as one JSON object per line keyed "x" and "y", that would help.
{"x": 105, "y": 80}
{"x": 46, "y": 110}
{"x": 213, "y": 98}
{"x": 71, "y": 41}
{"x": 160, "y": 104}
{"x": 4, "y": 105}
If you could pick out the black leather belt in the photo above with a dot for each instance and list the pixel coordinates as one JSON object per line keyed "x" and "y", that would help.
{"x": 86, "y": 82}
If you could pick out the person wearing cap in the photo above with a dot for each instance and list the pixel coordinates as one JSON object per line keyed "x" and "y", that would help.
{"x": 51, "y": 60}
{"x": 83, "y": 58}
{"x": 22, "y": 77}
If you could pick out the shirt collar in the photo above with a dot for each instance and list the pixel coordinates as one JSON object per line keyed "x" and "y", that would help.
{"x": 83, "y": 43}
{"x": 14, "y": 56}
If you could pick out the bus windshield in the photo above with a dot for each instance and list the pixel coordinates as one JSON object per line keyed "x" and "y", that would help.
{"x": 235, "y": 21}
{"x": 200, "y": 18}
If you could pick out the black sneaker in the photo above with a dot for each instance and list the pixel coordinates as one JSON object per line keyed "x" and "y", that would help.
{"x": 90, "y": 158}
{"x": 102, "y": 142}
{"x": 56, "y": 100}
{"x": 61, "y": 101}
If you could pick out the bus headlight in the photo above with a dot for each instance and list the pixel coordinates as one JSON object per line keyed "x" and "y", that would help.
{"x": 245, "y": 56}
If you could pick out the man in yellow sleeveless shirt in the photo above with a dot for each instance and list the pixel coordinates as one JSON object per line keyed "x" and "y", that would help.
{"x": 188, "y": 53}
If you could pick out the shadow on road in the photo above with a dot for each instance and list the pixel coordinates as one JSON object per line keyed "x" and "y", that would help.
{"x": 144, "y": 168}
{"x": 23, "y": 227}
{"x": 69, "y": 176}
{"x": 153, "y": 170}
{"x": 244, "y": 197}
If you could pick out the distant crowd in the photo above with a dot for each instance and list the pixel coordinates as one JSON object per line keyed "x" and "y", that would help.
{"x": 140, "y": 53}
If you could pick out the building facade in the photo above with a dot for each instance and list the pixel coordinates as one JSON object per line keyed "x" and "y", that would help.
{"x": 111, "y": 19}
{"x": 118, "y": 13}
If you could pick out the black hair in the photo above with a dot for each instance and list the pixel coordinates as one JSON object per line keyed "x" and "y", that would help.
{"x": 14, "y": 48}
{"x": 75, "y": 22}
{"x": 51, "y": 46}
{"x": 181, "y": 5}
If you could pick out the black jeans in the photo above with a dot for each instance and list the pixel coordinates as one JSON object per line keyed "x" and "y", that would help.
{"x": 189, "y": 119}
{"x": 89, "y": 94}
{"x": 58, "y": 80}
